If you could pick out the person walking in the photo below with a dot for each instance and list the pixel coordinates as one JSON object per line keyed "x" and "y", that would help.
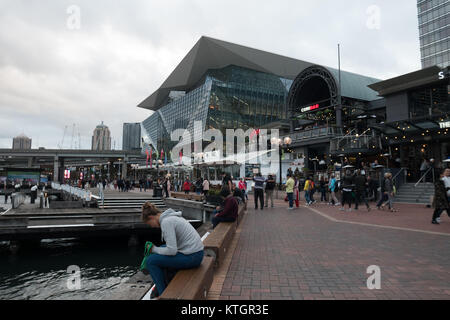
{"x": 243, "y": 187}
{"x": 323, "y": 189}
{"x": 360, "y": 190}
{"x": 446, "y": 180}
{"x": 259, "y": 190}
{"x": 226, "y": 181}
{"x": 332, "y": 186}
{"x": 270, "y": 187}
{"x": 387, "y": 193}
{"x": 347, "y": 191}
{"x": 297, "y": 192}
{"x": 440, "y": 202}
{"x": 199, "y": 186}
{"x": 186, "y": 186}
{"x": 309, "y": 185}
{"x": 205, "y": 187}
{"x": 290, "y": 184}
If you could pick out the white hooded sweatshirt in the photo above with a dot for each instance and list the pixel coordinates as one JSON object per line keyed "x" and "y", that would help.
{"x": 179, "y": 235}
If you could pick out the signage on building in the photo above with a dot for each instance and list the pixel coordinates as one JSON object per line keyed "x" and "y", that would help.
{"x": 311, "y": 108}
{"x": 66, "y": 174}
{"x": 444, "y": 125}
{"x": 444, "y": 74}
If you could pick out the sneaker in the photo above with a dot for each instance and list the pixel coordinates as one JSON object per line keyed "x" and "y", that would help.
{"x": 435, "y": 222}
{"x": 337, "y": 204}
{"x": 154, "y": 294}
{"x": 341, "y": 209}
{"x": 438, "y": 220}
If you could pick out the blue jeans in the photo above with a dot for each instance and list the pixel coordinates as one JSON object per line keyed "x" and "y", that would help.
{"x": 156, "y": 264}
{"x": 291, "y": 199}
{"x": 307, "y": 196}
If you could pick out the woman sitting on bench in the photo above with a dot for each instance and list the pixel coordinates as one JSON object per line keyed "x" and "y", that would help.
{"x": 230, "y": 209}
{"x": 183, "y": 249}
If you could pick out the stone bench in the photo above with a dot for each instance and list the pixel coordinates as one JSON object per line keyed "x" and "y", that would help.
{"x": 194, "y": 284}
{"x": 217, "y": 243}
{"x": 191, "y": 284}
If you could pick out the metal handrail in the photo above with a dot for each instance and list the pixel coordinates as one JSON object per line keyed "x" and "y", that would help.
{"x": 418, "y": 182}
{"x": 394, "y": 179}
{"x": 403, "y": 169}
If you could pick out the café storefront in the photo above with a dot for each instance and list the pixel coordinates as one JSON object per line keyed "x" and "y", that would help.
{"x": 417, "y": 123}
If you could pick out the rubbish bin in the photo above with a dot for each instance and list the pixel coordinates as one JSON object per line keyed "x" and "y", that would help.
{"x": 157, "y": 192}
{"x": 33, "y": 194}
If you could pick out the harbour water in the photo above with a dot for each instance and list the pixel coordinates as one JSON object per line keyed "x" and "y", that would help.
{"x": 41, "y": 273}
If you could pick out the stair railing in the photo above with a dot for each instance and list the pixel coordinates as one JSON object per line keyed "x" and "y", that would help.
{"x": 398, "y": 182}
{"x": 423, "y": 177}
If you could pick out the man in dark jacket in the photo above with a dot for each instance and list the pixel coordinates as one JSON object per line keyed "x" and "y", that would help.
{"x": 440, "y": 202}
{"x": 360, "y": 190}
{"x": 230, "y": 209}
{"x": 347, "y": 190}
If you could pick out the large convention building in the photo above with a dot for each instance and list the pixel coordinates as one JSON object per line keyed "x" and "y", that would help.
{"x": 329, "y": 115}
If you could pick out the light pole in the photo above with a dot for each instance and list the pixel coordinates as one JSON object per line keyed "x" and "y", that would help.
{"x": 387, "y": 155}
{"x": 281, "y": 144}
{"x": 315, "y": 160}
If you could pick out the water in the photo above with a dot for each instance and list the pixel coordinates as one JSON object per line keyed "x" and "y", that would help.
{"x": 41, "y": 273}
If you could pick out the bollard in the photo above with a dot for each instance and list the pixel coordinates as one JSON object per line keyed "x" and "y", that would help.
{"x": 41, "y": 201}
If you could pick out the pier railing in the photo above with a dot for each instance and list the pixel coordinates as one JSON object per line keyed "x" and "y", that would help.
{"x": 74, "y": 191}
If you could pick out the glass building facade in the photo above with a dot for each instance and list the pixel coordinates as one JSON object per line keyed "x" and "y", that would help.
{"x": 228, "y": 98}
{"x": 434, "y": 30}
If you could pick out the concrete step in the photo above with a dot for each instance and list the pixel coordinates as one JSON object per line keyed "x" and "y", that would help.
{"x": 127, "y": 207}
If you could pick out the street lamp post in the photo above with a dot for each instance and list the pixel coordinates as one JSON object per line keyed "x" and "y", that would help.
{"x": 281, "y": 144}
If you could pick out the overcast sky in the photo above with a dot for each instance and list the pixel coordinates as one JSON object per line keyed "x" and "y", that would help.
{"x": 57, "y": 70}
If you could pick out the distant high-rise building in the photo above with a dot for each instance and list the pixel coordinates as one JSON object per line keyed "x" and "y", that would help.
{"x": 21, "y": 143}
{"x": 131, "y": 140}
{"x": 434, "y": 29}
{"x": 101, "y": 140}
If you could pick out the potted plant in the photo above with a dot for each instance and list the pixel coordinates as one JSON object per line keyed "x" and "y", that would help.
{"x": 214, "y": 197}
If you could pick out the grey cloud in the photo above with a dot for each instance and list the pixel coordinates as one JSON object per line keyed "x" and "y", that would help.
{"x": 51, "y": 76}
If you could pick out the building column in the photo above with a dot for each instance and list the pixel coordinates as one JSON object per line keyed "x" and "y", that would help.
{"x": 56, "y": 169}
{"x": 338, "y": 110}
{"x": 125, "y": 168}
{"x": 30, "y": 162}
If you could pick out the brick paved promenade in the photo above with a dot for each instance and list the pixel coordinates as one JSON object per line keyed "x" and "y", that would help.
{"x": 311, "y": 254}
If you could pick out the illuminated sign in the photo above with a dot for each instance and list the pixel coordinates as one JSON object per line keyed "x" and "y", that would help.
{"x": 311, "y": 108}
{"x": 444, "y": 125}
{"x": 66, "y": 174}
{"x": 444, "y": 74}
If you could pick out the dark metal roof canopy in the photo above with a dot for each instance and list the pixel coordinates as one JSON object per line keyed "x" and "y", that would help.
{"x": 407, "y": 81}
{"x": 209, "y": 53}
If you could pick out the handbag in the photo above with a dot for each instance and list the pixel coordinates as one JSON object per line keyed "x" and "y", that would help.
{"x": 147, "y": 253}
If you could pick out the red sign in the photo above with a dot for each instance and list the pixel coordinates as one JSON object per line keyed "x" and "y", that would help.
{"x": 310, "y": 108}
